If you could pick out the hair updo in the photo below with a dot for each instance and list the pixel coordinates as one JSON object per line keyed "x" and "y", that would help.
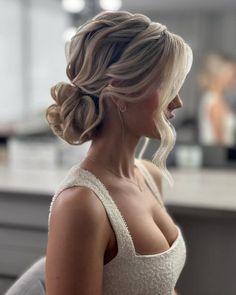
{"x": 136, "y": 53}
{"x": 74, "y": 112}
{"x": 214, "y": 66}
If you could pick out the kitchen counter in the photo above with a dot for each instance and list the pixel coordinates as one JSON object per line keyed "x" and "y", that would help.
{"x": 204, "y": 188}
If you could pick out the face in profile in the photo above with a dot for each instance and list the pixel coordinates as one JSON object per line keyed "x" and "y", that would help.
{"x": 140, "y": 115}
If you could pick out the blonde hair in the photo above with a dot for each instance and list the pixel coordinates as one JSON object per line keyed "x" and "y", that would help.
{"x": 140, "y": 55}
{"x": 214, "y": 66}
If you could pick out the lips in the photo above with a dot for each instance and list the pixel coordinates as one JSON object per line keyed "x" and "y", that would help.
{"x": 169, "y": 116}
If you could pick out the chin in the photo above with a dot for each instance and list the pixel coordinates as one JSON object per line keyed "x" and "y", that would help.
{"x": 153, "y": 135}
{"x": 156, "y": 137}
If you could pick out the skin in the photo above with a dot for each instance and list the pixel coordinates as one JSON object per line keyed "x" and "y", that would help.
{"x": 219, "y": 107}
{"x": 81, "y": 239}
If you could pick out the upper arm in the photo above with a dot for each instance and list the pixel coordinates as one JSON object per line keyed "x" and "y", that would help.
{"x": 76, "y": 244}
{"x": 216, "y": 116}
{"x": 154, "y": 171}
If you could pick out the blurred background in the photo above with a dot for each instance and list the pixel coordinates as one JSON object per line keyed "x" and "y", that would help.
{"x": 203, "y": 162}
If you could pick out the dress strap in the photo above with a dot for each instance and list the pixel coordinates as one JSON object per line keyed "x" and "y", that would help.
{"x": 82, "y": 177}
{"x": 150, "y": 181}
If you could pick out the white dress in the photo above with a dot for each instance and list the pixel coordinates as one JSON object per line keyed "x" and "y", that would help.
{"x": 130, "y": 273}
{"x": 206, "y": 132}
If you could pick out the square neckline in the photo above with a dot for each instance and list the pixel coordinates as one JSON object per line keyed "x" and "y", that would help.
{"x": 134, "y": 253}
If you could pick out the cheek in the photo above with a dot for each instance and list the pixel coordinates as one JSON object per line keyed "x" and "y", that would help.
{"x": 152, "y": 101}
{"x": 150, "y": 105}
{"x": 144, "y": 109}
{"x": 140, "y": 115}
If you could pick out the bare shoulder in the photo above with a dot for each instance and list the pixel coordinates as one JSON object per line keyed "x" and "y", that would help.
{"x": 154, "y": 171}
{"x": 79, "y": 199}
{"x": 77, "y": 241}
{"x": 78, "y": 208}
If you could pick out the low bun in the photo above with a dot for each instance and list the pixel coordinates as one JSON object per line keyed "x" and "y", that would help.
{"x": 74, "y": 115}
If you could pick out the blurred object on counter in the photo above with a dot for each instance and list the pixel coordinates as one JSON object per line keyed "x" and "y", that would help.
{"x": 206, "y": 156}
{"x": 217, "y": 120}
{"x": 30, "y": 143}
{"x": 68, "y": 155}
{"x": 188, "y": 156}
{"x": 28, "y": 152}
{"x": 43, "y": 152}
{"x": 217, "y": 156}
{"x": 32, "y": 124}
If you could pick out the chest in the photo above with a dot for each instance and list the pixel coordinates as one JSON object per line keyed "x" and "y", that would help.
{"x": 151, "y": 228}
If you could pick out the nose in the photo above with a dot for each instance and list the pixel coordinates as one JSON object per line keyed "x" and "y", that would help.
{"x": 180, "y": 102}
{"x": 176, "y": 103}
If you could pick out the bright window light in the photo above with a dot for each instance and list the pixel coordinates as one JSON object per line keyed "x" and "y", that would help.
{"x": 110, "y": 4}
{"x": 73, "y": 6}
{"x": 68, "y": 34}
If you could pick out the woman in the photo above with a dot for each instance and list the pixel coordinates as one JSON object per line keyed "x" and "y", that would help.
{"x": 109, "y": 230}
{"x": 217, "y": 122}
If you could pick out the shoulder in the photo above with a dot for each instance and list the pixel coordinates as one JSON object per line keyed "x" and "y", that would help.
{"x": 76, "y": 207}
{"x": 154, "y": 171}
{"x": 77, "y": 242}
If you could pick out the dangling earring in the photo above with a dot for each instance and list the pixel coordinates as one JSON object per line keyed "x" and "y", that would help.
{"x": 122, "y": 109}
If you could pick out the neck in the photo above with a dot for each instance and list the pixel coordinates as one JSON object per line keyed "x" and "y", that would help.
{"x": 111, "y": 151}
{"x": 114, "y": 146}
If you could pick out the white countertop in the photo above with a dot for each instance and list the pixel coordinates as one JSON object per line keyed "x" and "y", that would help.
{"x": 206, "y": 188}
{"x": 30, "y": 180}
